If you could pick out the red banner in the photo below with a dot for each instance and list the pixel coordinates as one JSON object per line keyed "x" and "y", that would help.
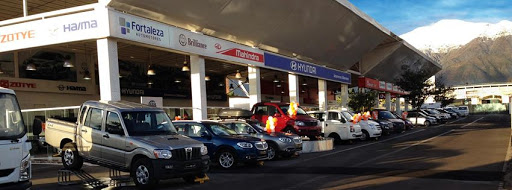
{"x": 240, "y": 53}
{"x": 364, "y": 82}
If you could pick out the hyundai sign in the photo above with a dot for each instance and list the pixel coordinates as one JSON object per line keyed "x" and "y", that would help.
{"x": 303, "y": 68}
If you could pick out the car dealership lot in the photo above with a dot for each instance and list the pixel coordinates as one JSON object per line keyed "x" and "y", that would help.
{"x": 467, "y": 153}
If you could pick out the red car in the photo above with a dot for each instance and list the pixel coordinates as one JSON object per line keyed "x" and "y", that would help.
{"x": 302, "y": 124}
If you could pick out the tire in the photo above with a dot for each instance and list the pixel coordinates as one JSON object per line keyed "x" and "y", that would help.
{"x": 272, "y": 151}
{"x": 143, "y": 174}
{"x": 70, "y": 157}
{"x": 336, "y": 137}
{"x": 191, "y": 179}
{"x": 226, "y": 159}
{"x": 290, "y": 130}
{"x": 427, "y": 123}
{"x": 365, "y": 135}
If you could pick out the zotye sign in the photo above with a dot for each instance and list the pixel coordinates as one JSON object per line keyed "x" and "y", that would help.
{"x": 11, "y": 84}
{"x": 17, "y": 36}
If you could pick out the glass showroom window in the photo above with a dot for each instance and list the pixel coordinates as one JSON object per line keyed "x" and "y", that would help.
{"x": 47, "y": 64}
{"x": 7, "y": 65}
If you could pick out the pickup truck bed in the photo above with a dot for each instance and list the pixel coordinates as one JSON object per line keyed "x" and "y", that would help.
{"x": 57, "y": 130}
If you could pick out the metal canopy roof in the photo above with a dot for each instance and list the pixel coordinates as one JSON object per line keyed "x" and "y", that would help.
{"x": 327, "y": 32}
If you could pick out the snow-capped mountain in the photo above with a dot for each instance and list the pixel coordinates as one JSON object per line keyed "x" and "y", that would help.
{"x": 446, "y": 35}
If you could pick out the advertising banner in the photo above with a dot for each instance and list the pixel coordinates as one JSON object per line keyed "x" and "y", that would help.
{"x": 304, "y": 68}
{"x": 34, "y": 85}
{"x": 365, "y": 82}
{"x": 382, "y": 85}
{"x": 55, "y": 30}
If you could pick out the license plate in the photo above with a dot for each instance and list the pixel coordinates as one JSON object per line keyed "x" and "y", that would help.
{"x": 190, "y": 166}
{"x": 263, "y": 152}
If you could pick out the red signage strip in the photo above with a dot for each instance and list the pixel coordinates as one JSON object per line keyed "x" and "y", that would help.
{"x": 364, "y": 82}
{"x": 240, "y": 53}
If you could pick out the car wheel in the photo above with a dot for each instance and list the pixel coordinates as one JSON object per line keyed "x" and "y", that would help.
{"x": 226, "y": 159}
{"x": 70, "y": 157}
{"x": 272, "y": 151}
{"x": 365, "y": 135}
{"x": 427, "y": 123}
{"x": 290, "y": 130}
{"x": 336, "y": 137}
{"x": 143, "y": 174}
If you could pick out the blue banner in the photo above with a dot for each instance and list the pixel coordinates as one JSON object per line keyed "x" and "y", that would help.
{"x": 304, "y": 68}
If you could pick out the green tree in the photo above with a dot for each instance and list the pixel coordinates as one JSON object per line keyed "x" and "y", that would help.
{"x": 442, "y": 93}
{"x": 415, "y": 82}
{"x": 362, "y": 101}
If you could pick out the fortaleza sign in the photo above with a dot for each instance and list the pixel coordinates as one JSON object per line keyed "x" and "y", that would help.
{"x": 299, "y": 67}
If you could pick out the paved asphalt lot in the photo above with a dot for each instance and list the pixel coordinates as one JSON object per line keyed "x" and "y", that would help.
{"x": 467, "y": 153}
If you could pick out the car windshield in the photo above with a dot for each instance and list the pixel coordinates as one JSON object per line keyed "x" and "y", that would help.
{"x": 300, "y": 111}
{"x": 347, "y": 115}
{"x": 141, "y": 123}
{"x": 463, "y": 108}
{"x": 434, "y": 112}
{"x": 257, "y": 126}
{"x": 221, "y": 130}
{"x": 11, "y": 122}
{"x": 386, "y": 115}
{"x": 429, "y": 111}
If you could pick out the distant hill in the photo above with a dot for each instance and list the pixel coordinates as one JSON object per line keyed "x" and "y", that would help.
{"x": 471, "y": 53}
{"x": 482, "y": 60}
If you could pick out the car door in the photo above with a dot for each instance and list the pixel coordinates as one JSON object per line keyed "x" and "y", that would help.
{"x": 334, "y": 124}
{"x": 322, "y": 119}
{"x": 114, "y": 139}
{"x": 261, "y": 113}
{"x": 194, "y": 130}
{"x": 91, "y": 134}
{"x": 413, "y": 117}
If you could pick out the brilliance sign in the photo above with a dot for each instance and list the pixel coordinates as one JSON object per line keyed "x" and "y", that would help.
{"x": 244, "y": 54}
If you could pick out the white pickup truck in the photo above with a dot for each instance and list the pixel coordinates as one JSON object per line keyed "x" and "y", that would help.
{"x": 15, "y": 172}
{"x": 336, "y": 126}
{"x": 128, "y": 137}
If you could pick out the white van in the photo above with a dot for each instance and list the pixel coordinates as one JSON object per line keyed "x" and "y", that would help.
{"x": 336, "y": 126}
{"x": 15, "y": 160}
{"x": 463, "y": 110}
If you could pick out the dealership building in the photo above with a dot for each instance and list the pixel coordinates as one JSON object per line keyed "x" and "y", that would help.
{"x": 194, "y": 57}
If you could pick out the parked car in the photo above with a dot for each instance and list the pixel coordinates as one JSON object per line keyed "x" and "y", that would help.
{"x": 398, "y": 124}
{"x": 370, "y": 128}
{"x": 225, "y": 146}
{"x": 454, "y": 110}
{"x": 279, "y": 143}
{"x": 302, "y": 124}
{"x": 453, "y": 115}
{"x": 408, "y": 124}
{"x": 336, "y": 126}
{"x": 439, "y": 117}
{"x": 15, "y": 167}
{"x": 463, "y": 110}
{"x": 445, "y": 117}
{"x": 128, "y": 137}
{"x": 420, "y": 118}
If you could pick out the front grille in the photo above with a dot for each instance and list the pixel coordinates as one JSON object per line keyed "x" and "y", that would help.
{"x": 398, "y": 124}
{"x": 310, "y": 123}
{"x": 183, "y": 155}
{"x": 261, "y": 146}
{"x": 6, "y": 172}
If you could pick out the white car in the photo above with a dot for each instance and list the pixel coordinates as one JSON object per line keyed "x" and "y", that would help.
{"x": 336, "y": 126}
{"x": 421, "y": 118}
{"x": 370, "y": 128}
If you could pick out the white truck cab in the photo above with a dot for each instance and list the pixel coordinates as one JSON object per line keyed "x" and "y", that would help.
{"x": 15, "y": 166}
{"x": 336, "y": 126}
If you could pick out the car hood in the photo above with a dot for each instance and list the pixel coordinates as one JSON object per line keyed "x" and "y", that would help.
{"x": 241, "y": 138}
{"x": 304, "y": 118}
{"x": 168, "y": 141}
{"x": 396, "y": 120}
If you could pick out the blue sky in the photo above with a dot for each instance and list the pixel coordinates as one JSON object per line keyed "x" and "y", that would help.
{"x": 402, "y": 16}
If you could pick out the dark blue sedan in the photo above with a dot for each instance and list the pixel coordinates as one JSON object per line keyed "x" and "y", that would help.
{"x": 225, "y": 146}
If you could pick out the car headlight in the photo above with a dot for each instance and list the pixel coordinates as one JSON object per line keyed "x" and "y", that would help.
{"x": 285, "y": 139}
{"x": 163, "y": 154}
{"x": 204, "y": 150}
{"x": 25, "y": 173}
{"x": 299, "y": 123}
{"x": 244, "y": 145}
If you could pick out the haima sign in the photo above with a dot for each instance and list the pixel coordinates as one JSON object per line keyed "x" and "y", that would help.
{"x": 55, "y": 30}
{"x": 303, "y": 68}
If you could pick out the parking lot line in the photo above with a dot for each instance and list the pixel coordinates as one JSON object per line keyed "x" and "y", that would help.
{"x": 401, "y": 149}
{"x": 472, "y": 122}
{"x": 360, "y": 146}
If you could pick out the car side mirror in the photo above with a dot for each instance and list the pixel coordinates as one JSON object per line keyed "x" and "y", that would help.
{"x": 277, "y": 115}
{"x": 206, "y": 135}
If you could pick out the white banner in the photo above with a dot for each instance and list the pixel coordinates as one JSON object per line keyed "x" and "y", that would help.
{"x": 68, "y": 28}
{"x": 152, "y": 101}
{"x": 146, "y": 31}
